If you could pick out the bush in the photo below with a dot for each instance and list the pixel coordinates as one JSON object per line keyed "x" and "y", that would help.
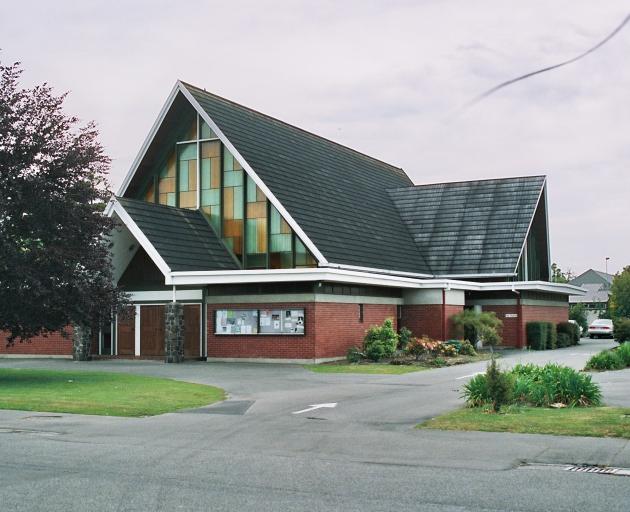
{"x": 624, "y": 353}
{"x": 439, "y": 362}
{"x": 552, "y": 336}
{"x": 571, "y": 329}
{"x": 415, "y": 347}
{"x": 564, "y": 340}
{"x": 606, "y": 360}
{"x": 446, "y": 350}
{"x": 474, "y": 326}
{"x": 622, "y": 329}
{"x": 536, "y": 335}
{"x": 404, "y": 336}
{"x": 499, "y": 385}
{"x": 380, "y": 341}
{"x": 577, "y": 312}
{"x": 466, "y": 349}
{"x": 354, "y": 355}
{"x": 540, "y": 386}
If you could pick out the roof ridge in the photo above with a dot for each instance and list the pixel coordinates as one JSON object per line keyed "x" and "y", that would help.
{"x": 399, "y": 170}
{"x": 468, "y": 181}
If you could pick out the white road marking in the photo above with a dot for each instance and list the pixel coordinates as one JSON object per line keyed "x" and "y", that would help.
{"x": 471, "y": 375}
{"x": 316, "y": 406}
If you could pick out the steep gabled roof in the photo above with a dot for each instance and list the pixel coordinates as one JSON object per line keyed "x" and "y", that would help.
{"x": 183, "y": 238}
{"x": 592, "y": 276}
{"x": 470, "y": 227}
{"x": 336, "y": 195}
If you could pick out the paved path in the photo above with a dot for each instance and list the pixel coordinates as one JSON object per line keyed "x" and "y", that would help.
{"x": 252, "y": 452}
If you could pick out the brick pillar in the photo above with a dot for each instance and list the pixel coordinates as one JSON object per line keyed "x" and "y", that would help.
{"x": 174, "y": 332}
{"x": 81, "y": 343}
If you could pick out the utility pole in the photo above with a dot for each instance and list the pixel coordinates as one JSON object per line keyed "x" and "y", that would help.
{"x": 607, "y": 258}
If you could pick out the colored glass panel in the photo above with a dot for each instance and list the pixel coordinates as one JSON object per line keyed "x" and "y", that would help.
{"x": 256, "y": 226}
{"x": 233, "y": 204}
{"x": 211, "y": 181}
{"x": 166, "y": 181}
{"x": 303, "y": 257}
{"x": 280, "y": 239}
{"x": 187, "y": 175}
{"x": 206, "y": 131}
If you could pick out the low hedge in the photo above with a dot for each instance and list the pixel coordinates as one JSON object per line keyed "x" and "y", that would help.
{"x": 541, "y": 335}
{"x": 571, "y": 329}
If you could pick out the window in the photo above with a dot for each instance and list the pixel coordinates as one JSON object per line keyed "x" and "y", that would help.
{"x": 256, "y": 227}
{"x": 360, "y": 313}
{"x": 211, "y": 181}
{"x": 281, "y": 241}
{"x": 259, "y": 321}
{"x": 187, "y": 167}
{"x": 233, "y": 204}
{"x": 166, "y": 181}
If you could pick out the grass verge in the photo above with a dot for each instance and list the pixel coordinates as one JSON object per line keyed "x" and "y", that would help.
{"x": 390, "y": 369}
{"x": 577, "y": 421}
{"x": 99, "y": 393}
{"x": 379, "y": 368}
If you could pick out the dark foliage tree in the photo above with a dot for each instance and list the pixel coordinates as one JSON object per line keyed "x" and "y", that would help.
{"x": 55, "y": 266}
{"x": 620, "y": 294}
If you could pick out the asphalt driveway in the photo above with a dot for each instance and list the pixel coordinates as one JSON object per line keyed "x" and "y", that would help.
{"x": 254, "y": 452}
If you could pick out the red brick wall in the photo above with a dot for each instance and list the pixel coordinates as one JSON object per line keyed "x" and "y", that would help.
{"x": 426, "y": 319}
{"x": 54, "y": 344}
{"x": 553, "y": 314}
{"x": 338, "y": 326}
{"x": 330, "y": 329}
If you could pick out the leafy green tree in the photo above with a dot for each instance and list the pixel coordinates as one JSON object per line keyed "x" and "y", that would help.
{"x": 55, "y": 265}
{"x": 473, "y": 326}
{"x": 619, "y": 303}
{"x": 557, "y": 276}
{"x": 577, "y": 312}
{"x": 380, "y": 341}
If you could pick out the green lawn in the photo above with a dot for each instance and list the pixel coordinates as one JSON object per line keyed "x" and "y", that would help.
{"x": 577, "y": 421}
{"x": 101, "y": 393}
{"x": 382, "y": 368}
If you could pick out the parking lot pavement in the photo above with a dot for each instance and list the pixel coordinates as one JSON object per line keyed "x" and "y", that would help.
{"x": 253, "y": 452}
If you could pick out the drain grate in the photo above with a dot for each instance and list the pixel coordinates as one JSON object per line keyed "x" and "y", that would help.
{"x": 603, "y": 470}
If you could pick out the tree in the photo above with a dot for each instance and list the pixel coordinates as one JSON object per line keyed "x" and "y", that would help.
{"x": 619, "y": 302}
{"x": 55, "y": 266}
{"x": 557, "y": 276}
{"x": 474, "y": 326}
{"x": 577, "y": 312}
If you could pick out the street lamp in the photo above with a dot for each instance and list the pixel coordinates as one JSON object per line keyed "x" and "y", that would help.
{"x": 607, "y": 258}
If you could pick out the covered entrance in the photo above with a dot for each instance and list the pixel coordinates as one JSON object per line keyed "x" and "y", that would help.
{"x": 140, "y": 331}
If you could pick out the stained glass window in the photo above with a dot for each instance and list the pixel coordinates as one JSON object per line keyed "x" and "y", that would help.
{"x": 280, "y": 239}
{"x": 187, "y": 175}
{"x": 166, "y": 181}
{"x": 256, "y": 226}
{"x": 206, "y": 131}
{"x": 233, "y": 203}
{"x": 211, "y": 181}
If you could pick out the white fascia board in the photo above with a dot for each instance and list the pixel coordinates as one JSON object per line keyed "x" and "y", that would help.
{"x": 541, "y": 286}
{"x": 140, "y": 237}
{"x": 473, "y": 276}
{"x": 274, "y": 200}
{"x": 288, "y": 275}
{"x": 377, "y": 270}
{"x": 531, "y": 221}
{"x": 165, "y": 295}
{"x": 149, "y": 139}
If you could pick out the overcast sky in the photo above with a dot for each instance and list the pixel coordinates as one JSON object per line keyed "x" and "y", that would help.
{"x": 384, "y": 77}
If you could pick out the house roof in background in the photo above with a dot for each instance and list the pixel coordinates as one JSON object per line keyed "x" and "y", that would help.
{"x": 182, "y": 237}
{"x": 336, "y": 195}
{"x": 594, "y": 293}
{"x": 470, "y": 227}
{"x": 592, "y": 276}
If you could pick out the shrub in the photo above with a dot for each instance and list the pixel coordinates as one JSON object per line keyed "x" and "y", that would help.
{"x": 622, "y": 330}
{"x": 439, "y": 362}
{"x": 500, "y": 386}
{"x": 552, "y": 336}
{"x": 475, "y": 326}
{"x": 606, "y": 360}
{"x": 577, "y": 312}
{"x": 466, "y": 349}
{"x": 624, "y": 353}
{"x": 571, "y": 329}
{"x": 476, "y": 391}
{"x": 446, "y": 350}
{"x": 380, "y": 341}
{"x": 564, "y": 340}
{"x": 354, "y": 355}
{"x": 540, "y": 386}
{"x": 415, "y": 347}
{"x": 404, "y": 336}
{"x": 536, "y": 335}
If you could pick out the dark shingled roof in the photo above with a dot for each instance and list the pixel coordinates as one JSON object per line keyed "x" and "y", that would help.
{"x": 337, "y": 195}
{"x": 182, "y": 237}
{"x": 470, "y": 227}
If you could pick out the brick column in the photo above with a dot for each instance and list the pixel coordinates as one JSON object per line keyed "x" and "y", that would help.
{"x": 174, "y": 332}
{"x": 81, "y": 343}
